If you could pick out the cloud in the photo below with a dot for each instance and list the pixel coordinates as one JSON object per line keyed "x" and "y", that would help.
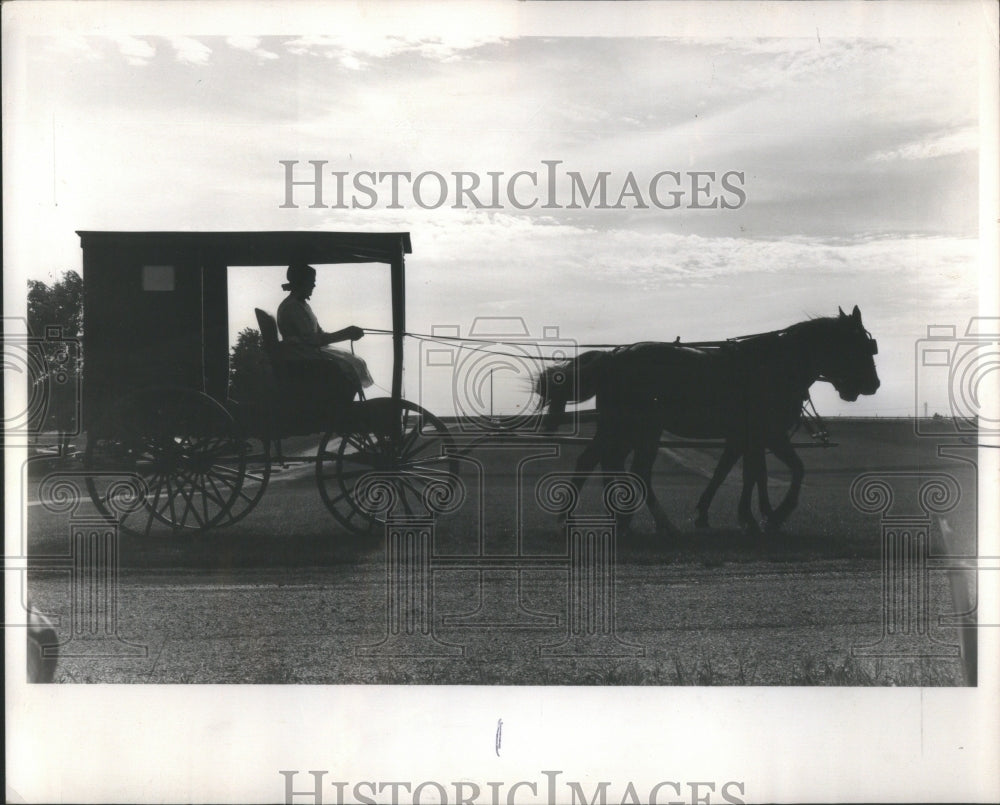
{"x": 351, "y": 62}
{"x": 356, "y": 51}
{"x": 937, "y": 145}
{"x": 137, "y": 52}
{"x": 250, "y": 44}
{"x": 190, "y": 51}
{"x": 624, "y": 256}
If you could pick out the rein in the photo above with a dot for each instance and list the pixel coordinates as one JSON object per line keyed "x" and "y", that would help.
{"x": 813, "y": 422}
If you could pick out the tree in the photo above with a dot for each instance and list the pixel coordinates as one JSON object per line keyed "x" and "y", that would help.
{"x": 55, "y": 324}
{"x": 60, "y": 304}
{"x": 249, "y": 368}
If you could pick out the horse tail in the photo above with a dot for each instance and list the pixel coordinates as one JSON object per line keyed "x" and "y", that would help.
{"x": 572, "y": 381}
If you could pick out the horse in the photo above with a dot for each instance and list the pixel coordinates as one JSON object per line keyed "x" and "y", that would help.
{"x": 748, "y": 391}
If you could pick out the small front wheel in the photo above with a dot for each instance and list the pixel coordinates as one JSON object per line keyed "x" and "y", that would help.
{"x": 403, "y": 447}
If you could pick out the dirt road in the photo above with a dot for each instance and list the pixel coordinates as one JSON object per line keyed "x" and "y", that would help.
{"x": 285, "y": 597}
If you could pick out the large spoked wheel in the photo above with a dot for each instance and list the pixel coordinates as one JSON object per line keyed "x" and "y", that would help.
{"x": 256, "y": 474}
{"x": 392, "y": 454}
{"x": 189, "y": 453}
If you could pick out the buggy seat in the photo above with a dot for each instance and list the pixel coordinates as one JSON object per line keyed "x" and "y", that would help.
{"x": 308, "y": 396}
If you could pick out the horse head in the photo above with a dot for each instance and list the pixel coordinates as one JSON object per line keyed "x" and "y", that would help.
{"x": 848, "y": 361}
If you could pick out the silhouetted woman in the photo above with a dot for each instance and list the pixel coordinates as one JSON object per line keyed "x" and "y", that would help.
{"x": 305, "y": 340}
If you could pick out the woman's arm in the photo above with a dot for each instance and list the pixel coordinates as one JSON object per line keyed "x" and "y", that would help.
{"x": 351, "y": 333}
{"x": 299, "y": 326}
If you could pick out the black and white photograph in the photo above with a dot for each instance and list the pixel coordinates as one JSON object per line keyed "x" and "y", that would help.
{"x": 502, "y": 401}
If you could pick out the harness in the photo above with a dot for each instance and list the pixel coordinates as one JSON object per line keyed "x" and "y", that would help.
{"x": 813, "y": 422}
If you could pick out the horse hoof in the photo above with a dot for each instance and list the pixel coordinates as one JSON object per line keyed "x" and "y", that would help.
{"x": 701, "y": 521}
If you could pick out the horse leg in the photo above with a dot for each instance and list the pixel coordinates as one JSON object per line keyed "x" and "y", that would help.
{"x": 726, "y": 463}
{"x": 555, "y": 416}
{"x": 763, "y": 498}
{"x": 613, "y": 461}
{"x": 642, "y": 465}
{"x": 585, "y": 465}
{"x": 754, "y": 474}
{"x": 784, "y": 452}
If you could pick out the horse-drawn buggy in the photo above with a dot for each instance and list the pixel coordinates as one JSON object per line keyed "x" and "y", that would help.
{"x": 156, "y": 404}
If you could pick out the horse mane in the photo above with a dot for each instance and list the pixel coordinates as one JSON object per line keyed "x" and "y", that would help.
{"x": 812, "y": 321}
{"x": 813, "y": 325}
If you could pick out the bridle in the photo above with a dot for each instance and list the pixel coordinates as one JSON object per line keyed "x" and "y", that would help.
{"x": 872, "y": 346}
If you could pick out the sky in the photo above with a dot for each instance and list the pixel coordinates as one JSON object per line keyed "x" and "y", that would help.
{"x": 858, "y": 153}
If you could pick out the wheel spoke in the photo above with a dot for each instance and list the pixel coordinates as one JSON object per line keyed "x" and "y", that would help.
{"x": 160, "y": 512}
{"x": 170, "y": 501}
{"x": 228, "y": 481}
{"x": 409, "y": 439}
{"x": 187, "y": 495}
{"x": 159, "y": 490}
{"x": 243, "y": 494}
{"x": 151, "y": 507}
{"x": 149, "y": 522}
{"x": 223, "y": 502}
{"x": 240, "y": 487}
{"x": 441, "y": 465}
{"x": 223, "y": 469}
{"x": 210, "y": 444}
{"x": 366, "y": 445}
{"x": 181, "y": 503}
{"x": 204, "y": 500}
{"x": 218, "y": 494}
{"x": 340, "y": 497}
{"x": 207, "y": 496}
{"x": 427, "y": 477}
{"x": 405, "y": 483}
{"x": 422, "y": 448}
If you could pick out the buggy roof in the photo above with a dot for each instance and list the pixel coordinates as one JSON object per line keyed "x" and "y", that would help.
{"x": 262, "y": 248}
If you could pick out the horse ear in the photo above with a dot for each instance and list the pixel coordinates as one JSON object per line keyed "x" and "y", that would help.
{"x": 857, "y": 314}
{"x": 841, "y": 311}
